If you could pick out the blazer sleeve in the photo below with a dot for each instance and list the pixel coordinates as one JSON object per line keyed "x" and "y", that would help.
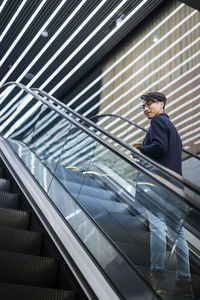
{"x": 158, "y": 139}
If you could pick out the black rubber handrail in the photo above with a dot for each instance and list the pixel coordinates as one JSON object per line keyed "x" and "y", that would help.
{"x": 194, "y": 203}
{"x": 138, "y": 126}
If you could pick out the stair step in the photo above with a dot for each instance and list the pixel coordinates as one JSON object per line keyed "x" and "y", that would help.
{"x": 4, "y": 185}
{"x": 140, "y": 255}
{"x": 126, "y": 222}
{"x": 27, "y": 269}
{"x": 170, "y": 282}
{"x": 118, "y": 233}
{"x": 71, "y": 175}
{"x": 9, "y": 200}
{"x": 91, "y": 191}
{"x": 96, "y": 206}
{"x": 22, "y": 292}
{"x": 21, "y": 241}
{"x": 14, "y": 218}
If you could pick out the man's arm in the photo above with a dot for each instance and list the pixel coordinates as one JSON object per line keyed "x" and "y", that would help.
{"x": 158, "y": 145}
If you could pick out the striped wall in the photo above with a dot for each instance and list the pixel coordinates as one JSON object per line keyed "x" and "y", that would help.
{"x": 163, "y": 55}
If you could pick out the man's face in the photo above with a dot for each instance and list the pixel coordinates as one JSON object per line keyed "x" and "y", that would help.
{"x": 152, "y": 109}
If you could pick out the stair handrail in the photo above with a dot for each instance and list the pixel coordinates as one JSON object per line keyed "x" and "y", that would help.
{"x": 138, "y": 126}
{"x": 166, "y": 184}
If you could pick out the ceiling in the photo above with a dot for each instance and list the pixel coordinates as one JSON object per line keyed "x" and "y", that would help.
{"x": 193, "y": 3}
{"x": 53, "y": 44}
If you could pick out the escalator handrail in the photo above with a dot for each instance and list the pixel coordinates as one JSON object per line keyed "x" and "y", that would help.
{"x": 194, "y": 203}
{"x": 174, "y": 175}
{"x": 138, "y": 126}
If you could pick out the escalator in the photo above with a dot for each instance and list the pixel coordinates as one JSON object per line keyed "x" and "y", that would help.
{"x": 90, "y": 186}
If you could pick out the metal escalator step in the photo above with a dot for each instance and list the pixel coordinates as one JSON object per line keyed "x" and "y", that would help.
{"x": 128, "y": 223}
{"x": 95, "y": 198}
{"x": 196, "y": 285}
{"x": 87, "y": 190}
{"x": 14, "y": 218}
{"x": 1, "y": 172}
{"x": 120, "y": 234}
{"x": 21, "y": 292}
{"x": 96, "y": 206}
{"x": 21, "y": 241}
{"x": 140, "y": 255}
{"x": 27, "y": 269}
{"x": 71, "y": 175}
{"x": 9, "y": 200}
{"x": 88, "y": 198}
{"x": 170, "y": 282}
{"x": 4, "y": 185}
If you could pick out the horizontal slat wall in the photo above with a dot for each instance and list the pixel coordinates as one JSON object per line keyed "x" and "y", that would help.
{"x": 163, "y": 56}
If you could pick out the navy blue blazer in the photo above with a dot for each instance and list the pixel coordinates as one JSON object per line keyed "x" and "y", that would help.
{"x": 163, "y": 144}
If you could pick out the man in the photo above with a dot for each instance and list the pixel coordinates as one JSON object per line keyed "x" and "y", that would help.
{"x": 162, "y": 143}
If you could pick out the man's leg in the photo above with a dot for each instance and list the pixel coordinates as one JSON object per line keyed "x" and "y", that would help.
{"x": 183, "y": 284}
{"x": 157, "y": 251}
{"x": 157, "y": 241}
{"x": 181, "y": 248}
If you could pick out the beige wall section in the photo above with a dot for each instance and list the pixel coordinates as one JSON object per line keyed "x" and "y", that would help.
{"x": 163, "y": 56}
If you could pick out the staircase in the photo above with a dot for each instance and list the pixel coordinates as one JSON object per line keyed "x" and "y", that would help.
{"x": 24, "y": 272}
